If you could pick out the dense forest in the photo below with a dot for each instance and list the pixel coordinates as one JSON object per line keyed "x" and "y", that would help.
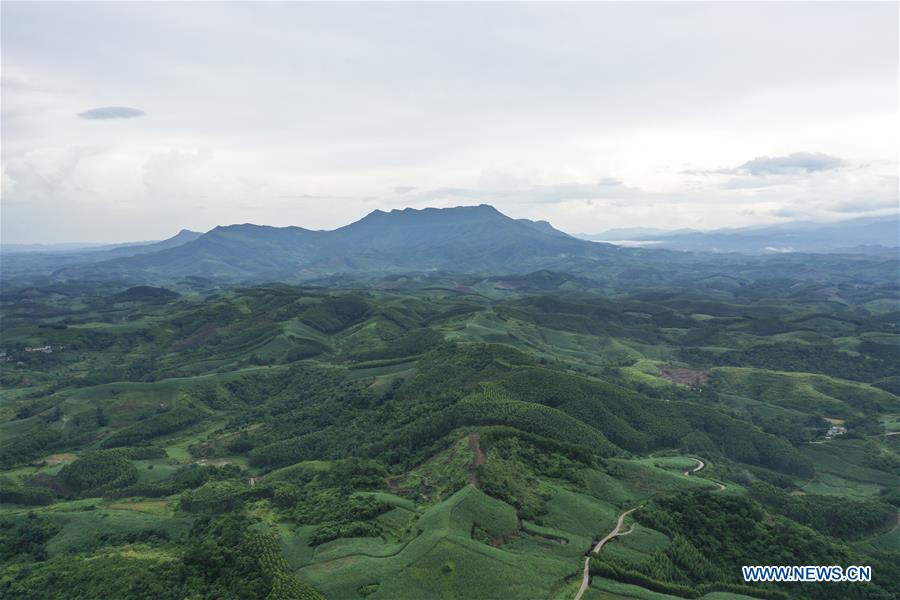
{"x": 445, "y": 436}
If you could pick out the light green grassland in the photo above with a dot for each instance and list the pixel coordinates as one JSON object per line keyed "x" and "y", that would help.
{"x": 439, "y": 553}
{"x": 80, "y": 529}
{"x": 444, "y": 557}
{"x": 841, "y": 470}
{"x": 607, "y": 589}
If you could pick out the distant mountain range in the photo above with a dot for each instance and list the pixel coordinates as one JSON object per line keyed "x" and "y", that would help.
{"x": 466, "y": 239}
{"x": 182, "y": 237}
{"x": 124, "y": 249}
{"x": 28, "y": 261}
{"x": 878, "y": 235}
{"x": 462, "y": 239}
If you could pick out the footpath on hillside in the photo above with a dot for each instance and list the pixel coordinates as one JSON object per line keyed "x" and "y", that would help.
{"x": 616, "y": 532}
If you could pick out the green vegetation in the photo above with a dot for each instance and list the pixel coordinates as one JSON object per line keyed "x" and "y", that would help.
{"x": 438, "y": 435}
{"x": 714, "y": 534}
{"x": 99, "y": 470}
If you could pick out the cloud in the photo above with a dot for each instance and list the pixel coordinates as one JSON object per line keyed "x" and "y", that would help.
{"x": 864, "y": 205}
{"x": 536, "y": 140}
{"x": 403, "y": 189}
{"x": 111, "y": 112}
{"x": 603, "y": 188}
{"x": 798, "y": 162}
{"x": 789, "y": 212}
{"x": 706, "y": 172}
{"x": 313, "y": 197}
{"x": 793, "y": 164}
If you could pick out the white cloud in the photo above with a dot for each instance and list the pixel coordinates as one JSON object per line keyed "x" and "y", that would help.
{"x": 798, "y": 162}
{"x": 589, "y": 115}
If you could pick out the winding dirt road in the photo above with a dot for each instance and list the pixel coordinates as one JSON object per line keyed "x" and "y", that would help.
{"x": 586, "y": 577}
{"x": 701, "y": 465}
{"x": 617, "y": 532}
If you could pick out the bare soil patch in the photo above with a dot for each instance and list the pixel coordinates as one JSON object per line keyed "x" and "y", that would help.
{"x": 480, "y": 459}
{"x": 56, "y": 459}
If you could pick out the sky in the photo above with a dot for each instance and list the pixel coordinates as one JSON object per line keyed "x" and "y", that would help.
{"x": 130, "y": 121}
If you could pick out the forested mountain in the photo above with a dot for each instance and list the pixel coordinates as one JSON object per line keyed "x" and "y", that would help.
{"x": 445, "y": 435}
{"x": 18, "y": 261}
{"x": 470, "y": 239}
{"x": 462, "y": 239}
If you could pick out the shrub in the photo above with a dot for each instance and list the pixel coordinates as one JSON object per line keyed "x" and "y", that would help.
{"x": 99, "y": 471}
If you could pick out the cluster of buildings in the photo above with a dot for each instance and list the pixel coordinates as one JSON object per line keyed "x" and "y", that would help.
{"x": 45, "y": 349}
{"x": 6, "y": 357}
{"x": 835, "y": 430}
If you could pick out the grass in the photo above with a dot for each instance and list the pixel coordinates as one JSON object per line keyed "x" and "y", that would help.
{"x": 841, "y": 470}
{"x": 580, "y": 515}
{"x": 312, "y": 466}
{"x": 152, "y": 507}
{"x": 805, "y": 392}
{"x": 888, "y": 542}
{"x": 608, "y": 589}
{"x": 80, "y": 529}
{"x": 891, "y": 423}
{"x": 443, "y": 560}
{"x": 643, "y": 480}
{"x": 368, "y": 546}
{"x": 674, "y": 463}
{"x": 295, "y": 544}
{"x": 154, "y": 469}
{"x": 177, "y": 444}
{"x": 392, "y": 499}
{"x": 641, "y": 542}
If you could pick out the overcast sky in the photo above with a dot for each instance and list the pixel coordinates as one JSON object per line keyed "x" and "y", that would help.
{"x": 125, "y": 121}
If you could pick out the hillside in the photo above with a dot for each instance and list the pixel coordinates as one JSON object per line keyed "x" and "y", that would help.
{"x": 462, "y": 239}
{"x": 36, "y": 261}
{"x": 439, "y": 435}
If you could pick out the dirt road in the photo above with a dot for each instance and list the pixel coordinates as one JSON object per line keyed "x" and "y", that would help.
{"x": 700, "y": 465}
{"x": 586, "y": 577}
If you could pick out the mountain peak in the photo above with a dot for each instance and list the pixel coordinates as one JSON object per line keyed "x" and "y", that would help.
{"x": 427, "y": 216}
{"x": 474, "y": 238}
{"x": 484, "y": 208}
